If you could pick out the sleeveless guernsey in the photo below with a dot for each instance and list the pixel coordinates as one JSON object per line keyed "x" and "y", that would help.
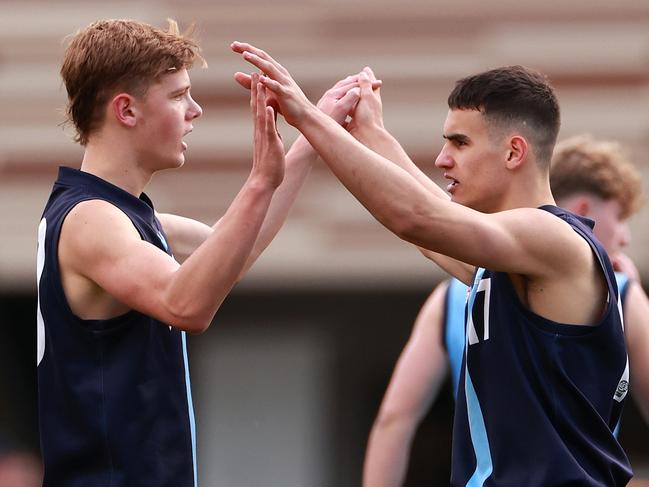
{"x": 115, "y": 404}
{"x": 538, "y": 400}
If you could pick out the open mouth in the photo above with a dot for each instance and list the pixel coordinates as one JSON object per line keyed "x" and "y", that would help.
{"x": 452, "y": 186}
{"x": 183, "y": 143}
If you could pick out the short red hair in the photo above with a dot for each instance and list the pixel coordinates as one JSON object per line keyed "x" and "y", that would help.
{"x": 119, "y": 55}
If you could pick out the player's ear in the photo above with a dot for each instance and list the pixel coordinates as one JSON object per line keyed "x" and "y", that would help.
{"x": 516, "y": 151}
{"x": 122, "y": 107}
{"x": 581, "y": 206}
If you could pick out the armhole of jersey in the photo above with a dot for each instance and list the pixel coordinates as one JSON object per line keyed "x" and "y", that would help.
{"x": 611, "y": 283}
{"x": 614, "y": 295}
{"x": 56, "y": 236}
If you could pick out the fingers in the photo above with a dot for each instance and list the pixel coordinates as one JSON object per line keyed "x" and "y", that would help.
{"x": 248, "y": 50}
{"x": 243, "y": 79}
{"x": 242, "y": 47}
{"x": 365, "y": 83}
{"x": 352, "y": 80}
{"x": 340, "y": 89}
{"x": 346, "y": 105}
{"x": 369, "y": 73}
{"x": 254, "y": 82}
{"x": 271, "y": 124}
{"x": 271, "y": 84}
{"x": 270, "y": 68}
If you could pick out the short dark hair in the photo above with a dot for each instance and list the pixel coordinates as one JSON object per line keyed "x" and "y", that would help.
{"x": 513, "y": 96}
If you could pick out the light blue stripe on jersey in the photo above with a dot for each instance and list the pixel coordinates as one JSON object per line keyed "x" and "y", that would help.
{"x": 454, "y": 334}
{"x": 190, "y": 407}
{"x": 484, "y": 467}
{"x": 622, "y": 283}
{"x": 477, "y": 428}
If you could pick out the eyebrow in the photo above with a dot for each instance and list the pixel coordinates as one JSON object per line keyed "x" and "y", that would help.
{"x": 457, "y": 138}
{"x": 180, "y": 91}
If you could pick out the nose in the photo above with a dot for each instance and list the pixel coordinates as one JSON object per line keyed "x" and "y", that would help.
{"x": 444, "y": 159}
{"x": 194, "y": 111}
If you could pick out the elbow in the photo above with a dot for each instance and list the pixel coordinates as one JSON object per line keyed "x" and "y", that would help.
{"x": 394, "y": 421}
{"x": 188, "y": 319}
{"x": 193, "y": 325}
{"x": 411, "y": 227}
{"x": 196, "y": 327}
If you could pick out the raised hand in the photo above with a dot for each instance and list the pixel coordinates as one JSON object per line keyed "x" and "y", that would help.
{"x": 268, "y": 160}
{"x": 292, "y": 102}
{"x": 340, "y": 100}
{"x": 368, "y": 114}
{"x": 337, "y": 102}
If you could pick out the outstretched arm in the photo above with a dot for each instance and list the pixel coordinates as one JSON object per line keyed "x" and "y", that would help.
{"x": 507, "y": 241}
{"x": 415, "y": 383}
{"x": 368, "y": 128}
{"x": 186, "y": 234}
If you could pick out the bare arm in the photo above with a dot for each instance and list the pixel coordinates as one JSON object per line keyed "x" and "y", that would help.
{"x": 415, "y": 383}
{"x": 368, "y": 128}
{"x": 636, "y": 319}
{"x": 99, "y": 246}
{"x": 508, "y": 241}
{"x": 186, "y": 235}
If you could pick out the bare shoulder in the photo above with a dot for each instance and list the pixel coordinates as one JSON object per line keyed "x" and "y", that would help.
{"x": 545, "y": 244}
{"x": 92, "y": 225}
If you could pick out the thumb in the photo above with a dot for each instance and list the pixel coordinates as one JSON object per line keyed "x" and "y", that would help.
{"x": 346, "y": 105}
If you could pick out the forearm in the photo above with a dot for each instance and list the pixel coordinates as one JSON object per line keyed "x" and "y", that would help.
{"x": 389, "y": 192}
{"x": 201, "y": 283}
{"x": 386, "y": 459}
{"x": 458, "y": 269}
{"x": 382, "y": 142}
{"x": 299, "y": 161}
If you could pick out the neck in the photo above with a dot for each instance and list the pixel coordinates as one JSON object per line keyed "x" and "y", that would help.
{"x": 528, "y": 191}
{"x": 111, "y": 161}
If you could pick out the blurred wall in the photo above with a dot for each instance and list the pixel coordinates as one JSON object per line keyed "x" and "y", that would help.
{"x": 596, "y": 53}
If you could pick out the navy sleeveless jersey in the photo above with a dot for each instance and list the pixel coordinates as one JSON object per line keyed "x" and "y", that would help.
{"x": 454, "y": 316}
{"x": 538, "y": 400}
{"x": 114, "y": 396}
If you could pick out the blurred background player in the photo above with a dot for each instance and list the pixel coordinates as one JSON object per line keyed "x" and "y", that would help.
{"x": 588, "y": 177}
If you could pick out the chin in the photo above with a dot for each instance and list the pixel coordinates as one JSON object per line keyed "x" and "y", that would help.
{"x": 179, "y": 162}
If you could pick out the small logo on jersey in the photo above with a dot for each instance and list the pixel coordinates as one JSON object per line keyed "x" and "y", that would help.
{"x": 621, "y": 390}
